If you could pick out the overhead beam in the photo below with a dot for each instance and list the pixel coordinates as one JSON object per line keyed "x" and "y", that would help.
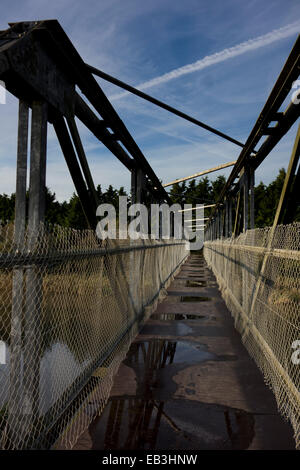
{"x": 161, "y": 104}
{"x": 197, "y": 220}
{"x": 201, "y": 173}
{"x": 198, "y": 207}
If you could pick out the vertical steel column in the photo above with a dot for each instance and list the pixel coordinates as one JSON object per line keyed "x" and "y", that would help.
{"x": 15, "y": 369}
{"x": 32, "y": 329}
{"x": 133, "y": 186}
{"x": 37, "y": 184}
{"x": 246, "y": 199}
{"x": 236, "y": 219}
{"x": 218, "y": 224}
{"x": 245, "y": 260}
{"x": 252, "y": 183}
{"x": 139, "y": 186}
{"x": 139, "y": 256}
{"x": 20, "y": 203}
{"x": 230, "y": 217}
{"x": 160, "y": 222}
{"x": 226, "y": 218}
{"x": 133, "y": 260}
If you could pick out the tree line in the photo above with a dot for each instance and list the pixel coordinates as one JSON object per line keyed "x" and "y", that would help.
{"x": 66, "y": 213}
{"x": 70, "y": 213}
{"x": 266, "y": 197}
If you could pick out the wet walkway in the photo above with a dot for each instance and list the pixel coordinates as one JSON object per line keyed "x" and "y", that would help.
{"x": 187, "y": 381}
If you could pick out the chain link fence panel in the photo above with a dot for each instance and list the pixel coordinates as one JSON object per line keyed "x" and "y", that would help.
{"x": 70, "y": 305}
{"x": 259, "y": 277}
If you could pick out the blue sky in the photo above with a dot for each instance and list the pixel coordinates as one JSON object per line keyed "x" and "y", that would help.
{"x": 139, "y": 41}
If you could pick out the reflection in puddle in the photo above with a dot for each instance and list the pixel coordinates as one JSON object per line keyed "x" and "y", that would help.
{"x": 144, "y": 421}
{"x": 176, "y": 316}
{"x": 158, "y": 353}
{"x": 193, "y": 298}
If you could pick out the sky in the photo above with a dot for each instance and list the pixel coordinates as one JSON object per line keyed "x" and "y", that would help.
{"x": 214, "y": 60}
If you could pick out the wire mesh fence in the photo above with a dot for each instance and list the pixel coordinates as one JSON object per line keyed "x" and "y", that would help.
{"x": 259, "y": 277}
{"x": 69, "y": 308}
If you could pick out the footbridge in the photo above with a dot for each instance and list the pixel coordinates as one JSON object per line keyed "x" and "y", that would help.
{"x": 94, "y": 330}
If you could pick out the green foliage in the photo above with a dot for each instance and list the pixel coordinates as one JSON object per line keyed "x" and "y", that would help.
{"x": 266, "y": 199}
{"x": 7, "y": 207}
{"x": 70, "y": 214}
{"x": 205, "y": 191}
{"x": 66, "y": 214}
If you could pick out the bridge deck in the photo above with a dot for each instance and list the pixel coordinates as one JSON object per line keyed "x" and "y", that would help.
{"x": 187, "y": 381}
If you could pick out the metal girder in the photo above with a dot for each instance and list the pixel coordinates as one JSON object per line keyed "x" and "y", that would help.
{"x": 88, "y": 204}
{"x": 290, "y": 116}
{"x": 269, "y": 113}
{"x": 53, "y": 34}
{"x": 37, "y": 60}
{"x": 288, "y": 182}
{"x": 31, "y": 72}
{"x": 162, "y": 105}
{"x": 94, "y": 124}
{"x": 82, "y": 158}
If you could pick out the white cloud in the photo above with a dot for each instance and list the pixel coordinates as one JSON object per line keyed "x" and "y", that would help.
{"x": 225, "y": 54}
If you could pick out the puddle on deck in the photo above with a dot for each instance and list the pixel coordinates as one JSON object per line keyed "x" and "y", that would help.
{"x": 157, "y": 353}
{"x": 177, "y": 316}
{"x": 149, "y": 424}
{"x": 194, "y": 274}
{"x": 150, "y": 419}
{"x": 193, "y": 298}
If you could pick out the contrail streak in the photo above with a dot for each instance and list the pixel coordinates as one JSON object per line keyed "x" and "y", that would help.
{"x": 222, "y": 56}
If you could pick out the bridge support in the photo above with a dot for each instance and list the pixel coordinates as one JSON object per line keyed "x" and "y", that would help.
{"x": 252, "y": 183}
{"x": 15, "y": 379}
{"x": 25, "y": 381}
{"x": 34, "y": 291}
